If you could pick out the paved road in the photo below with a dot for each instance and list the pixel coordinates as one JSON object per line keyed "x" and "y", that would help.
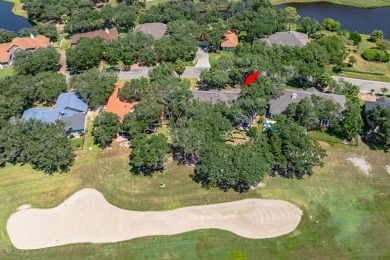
{"x": 190, "y": 72}
{"x": 135, "y": 73}
{"x": 367, "y": 85}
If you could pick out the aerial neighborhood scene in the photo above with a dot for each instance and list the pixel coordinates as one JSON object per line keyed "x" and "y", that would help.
{"x": 194, "y": 129}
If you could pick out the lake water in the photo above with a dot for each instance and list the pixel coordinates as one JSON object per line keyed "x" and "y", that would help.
{"x": 351, "y": 18}
{"x": 9, "y": 20}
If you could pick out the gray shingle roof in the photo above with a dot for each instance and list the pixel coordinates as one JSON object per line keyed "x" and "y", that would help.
{"x": 380, "y": 101}
{"x": 157, "y": 30}
{"x": 214, "y": 97}
{"x": 290, "y": 38}
{"x": 279, "y": 105}
{"x": 69, "y": 108}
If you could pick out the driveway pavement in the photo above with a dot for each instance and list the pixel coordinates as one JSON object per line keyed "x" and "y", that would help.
{"x": 366, "y": 85}
{"x": 203, "y": 58}
{"x": 135, "y": 73}
{"x": 190, "y": 72}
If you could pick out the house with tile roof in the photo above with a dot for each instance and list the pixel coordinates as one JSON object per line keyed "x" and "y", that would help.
{"x": 70, "y": 109}
{"x": 115, "y": 105}
{"x": 157, "y": 30}
{"x": 290, "y": 38}
{"x": 9, "y": 49}
{"x": 229, "y": 41}
{"x": 108, "y": 35}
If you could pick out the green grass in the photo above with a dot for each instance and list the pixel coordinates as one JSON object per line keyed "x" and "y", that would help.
{"x": 346, "y": 213}
{"x": 215, "y": 56}
{"x": 324, "y": 136}
{"x": 6, "y": 72}
{"x": 356, "y": 3}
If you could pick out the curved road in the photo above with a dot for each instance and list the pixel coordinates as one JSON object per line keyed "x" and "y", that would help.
{"x": 366, "y": 85}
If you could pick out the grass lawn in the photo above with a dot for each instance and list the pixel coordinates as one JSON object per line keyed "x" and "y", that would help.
{"x": 356, "y": 3}
{"x": 362, "y": 64}
{"x": 214, "y": 56}
{"x": 6, "y": 72}
{"x": 346, "y": 213}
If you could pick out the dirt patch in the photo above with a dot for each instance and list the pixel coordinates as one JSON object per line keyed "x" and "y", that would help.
{"x": 361, "y": 163}
{"x": 87, "y": 217}
{"x": 388, "y": 169}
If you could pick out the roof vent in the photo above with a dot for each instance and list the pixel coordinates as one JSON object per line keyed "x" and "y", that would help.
{"x": 106, "y": 30}
{"x": 32, "y": 36}
{"x": 294, "y": 96}
{"x": 290, "y": 31}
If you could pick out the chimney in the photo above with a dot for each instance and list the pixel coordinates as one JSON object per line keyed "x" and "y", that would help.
{"x": 106, "y": 30}
{"x": 32, "y": 36}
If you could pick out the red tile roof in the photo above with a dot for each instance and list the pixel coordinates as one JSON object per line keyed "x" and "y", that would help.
{"x": 230, "y": 40}
{"x": 23, "y": 43}
{"x": 118, "y": 107}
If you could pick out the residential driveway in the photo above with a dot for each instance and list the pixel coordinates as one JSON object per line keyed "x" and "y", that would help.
{"x": 366, "y": 85}
{"x": 203, "y": 58}
{"x": 193, "y": 72}
{"x": 135, "y": 73}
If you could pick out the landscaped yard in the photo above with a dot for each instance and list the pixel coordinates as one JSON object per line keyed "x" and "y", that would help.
{"x": 346, "y": 212}
{"x": 364, "y": 65}
{"x": 6, "y": 72}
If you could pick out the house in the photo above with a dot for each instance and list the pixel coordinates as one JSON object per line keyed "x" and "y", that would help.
{"x": 369, "y": 105}
{"x": 229, "y": 41}
{"x": 9, "y": 49}
{"x": 70, "y": 109}
{"x": 108, "y": 35}
{"x": 290, "y": 38}
{"x": 157, "y": 30}
{"x": 115, "y": 105}
{"x": 279, "y": 105}
{"x": 214, "y": 97}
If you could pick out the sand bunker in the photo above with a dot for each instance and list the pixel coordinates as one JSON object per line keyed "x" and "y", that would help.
{"x": 87, "y": 217}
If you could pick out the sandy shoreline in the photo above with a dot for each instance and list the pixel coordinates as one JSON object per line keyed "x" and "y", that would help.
{"x": 87, "y": 217}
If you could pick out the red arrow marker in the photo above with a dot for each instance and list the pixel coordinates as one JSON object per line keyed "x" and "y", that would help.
{"x": 251, "y": 78}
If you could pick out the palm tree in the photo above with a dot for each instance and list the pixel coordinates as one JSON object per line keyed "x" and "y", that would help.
{"x": 384, "y": 91}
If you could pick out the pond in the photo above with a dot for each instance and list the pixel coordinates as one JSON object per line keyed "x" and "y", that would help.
{"x": 351, "y": 18}
{"x": 10, "y": 21}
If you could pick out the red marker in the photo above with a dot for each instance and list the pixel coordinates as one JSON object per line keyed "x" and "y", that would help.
{"x": 251, "y": 78}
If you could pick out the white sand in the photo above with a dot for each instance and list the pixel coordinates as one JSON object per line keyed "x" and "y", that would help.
{"x": 87, "y": 217}
{"x": 361, "y": 163}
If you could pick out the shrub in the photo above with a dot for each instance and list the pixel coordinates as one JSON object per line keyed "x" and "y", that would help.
{"x": 252, "y": 132}
{"x": 375, "y": 54}
{"x": 355, "y": 37}
{"x": 331, "y": 25}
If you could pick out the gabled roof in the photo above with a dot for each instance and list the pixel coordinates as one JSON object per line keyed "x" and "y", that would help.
{"x": 118, "y": 107}
{"x": 69, "y": 108}
{"x": 75, "y": 122}
{"x": 214, "y": 97}
{"x": 23, "y": 43}
{"x": 290, "y": 38}
{"x": 279, "y": 105}
{"x": 157, "y": 30}
{"x": 108, "y": 35}
{"x": 380, "y": 101}
{"x": 230, "y": 40}
{"x": 70, "y": 100}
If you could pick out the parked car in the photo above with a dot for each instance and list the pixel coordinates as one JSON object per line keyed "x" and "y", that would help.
{"x": 113, "y": 69}
{"x": 126, "y": 69}
{"x": 73, "y": 72}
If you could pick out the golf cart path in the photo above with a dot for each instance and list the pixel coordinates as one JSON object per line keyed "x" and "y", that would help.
{"x": 87, "y": 217}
